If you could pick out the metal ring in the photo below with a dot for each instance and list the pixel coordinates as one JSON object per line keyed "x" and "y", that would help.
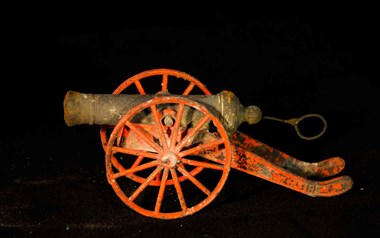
{"x": 308, "y": 116}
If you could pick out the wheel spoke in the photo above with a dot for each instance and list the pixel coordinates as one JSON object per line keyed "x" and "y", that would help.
{"x": 119, "y": 136}
{"x": 135, "y": 169}
{"x": 195, "y": 150}
{"x": 144, "y": 135}
{"x": 191, "y": 133}
{"x": 194, "y": 180}
{"x": 174, "y": 134}
{"x": 137, "y": 161}
{"x": 120, "y": 167}
{"x": 178, "y": 188}
{"x": 139, "y": 87}
{"x": 161, "y": 134}
{"x": 189, "y": 88}
{"x": 164, "y": 82}
{"x": 116, "y": 164}
{"x": 145, "y": 183}
{"x": 202, "y": 164}
{"x": 130, "y": 151}
{"x": 161, "y": 191}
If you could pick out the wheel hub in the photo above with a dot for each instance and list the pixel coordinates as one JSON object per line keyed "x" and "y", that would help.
{"x": 171, "y": 159}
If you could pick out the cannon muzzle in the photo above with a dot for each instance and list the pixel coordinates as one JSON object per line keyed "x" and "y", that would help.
{"x": 107, "y": 109}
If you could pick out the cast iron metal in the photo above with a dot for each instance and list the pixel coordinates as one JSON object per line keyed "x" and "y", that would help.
{"x": 168, "y": 155}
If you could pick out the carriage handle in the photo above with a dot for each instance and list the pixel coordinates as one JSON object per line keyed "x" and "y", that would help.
{"x": 295, "y": 122}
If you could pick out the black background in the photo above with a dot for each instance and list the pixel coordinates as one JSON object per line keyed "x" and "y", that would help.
{"x": 315, "y": 59}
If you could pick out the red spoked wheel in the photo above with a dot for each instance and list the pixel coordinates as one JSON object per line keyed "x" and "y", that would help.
{"x": 157, "y": 81}
{"x": 173, "y": 151}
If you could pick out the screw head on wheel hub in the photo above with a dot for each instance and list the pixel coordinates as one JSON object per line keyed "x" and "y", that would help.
{"x": 170, "y": 159}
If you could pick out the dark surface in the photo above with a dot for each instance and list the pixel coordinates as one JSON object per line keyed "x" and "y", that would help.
{"x": 52, "y": 177}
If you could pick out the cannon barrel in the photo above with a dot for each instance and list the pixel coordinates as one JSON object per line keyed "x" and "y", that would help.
{"x": 107, "y": 109}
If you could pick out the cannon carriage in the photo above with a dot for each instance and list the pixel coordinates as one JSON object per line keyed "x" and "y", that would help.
{"x": 168, "y": 153}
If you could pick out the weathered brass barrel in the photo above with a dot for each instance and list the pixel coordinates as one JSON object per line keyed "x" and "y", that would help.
{"x": 107, "y": 109}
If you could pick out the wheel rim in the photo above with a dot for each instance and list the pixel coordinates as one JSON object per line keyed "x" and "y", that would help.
{"x": 167, "y": 160}
{"x": 162, "y": 79}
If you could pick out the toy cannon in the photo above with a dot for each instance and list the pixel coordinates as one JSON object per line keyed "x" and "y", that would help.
{"x": 168, "y": 152}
